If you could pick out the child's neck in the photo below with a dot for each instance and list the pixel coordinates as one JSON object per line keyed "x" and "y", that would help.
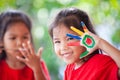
{"x": 79, "y": 64}
{"x": 15, "y": 64}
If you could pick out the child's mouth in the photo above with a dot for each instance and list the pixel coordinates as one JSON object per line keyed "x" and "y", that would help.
{"x": 67, "y": 55}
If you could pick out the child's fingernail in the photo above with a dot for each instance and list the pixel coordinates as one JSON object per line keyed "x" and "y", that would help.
{"x": 23, "y": 44}
{"x": 17, "y": 57}
{"x": 22, "y": 49}
{"x": 28, "y": 42}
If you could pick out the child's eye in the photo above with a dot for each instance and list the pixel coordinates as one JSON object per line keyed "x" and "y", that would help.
{"x": 56, "y": 41}
{"x": 70, "y": 38}
{"x": 25, "y": 37}
{"x": 12, "y": 38}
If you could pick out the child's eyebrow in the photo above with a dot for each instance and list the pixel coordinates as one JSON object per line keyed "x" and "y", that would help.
{"x": 13, "y": 34}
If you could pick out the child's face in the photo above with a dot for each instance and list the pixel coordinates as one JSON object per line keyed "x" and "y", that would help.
{"x": 70, "y": 54}
{"x": 14, "y": 37}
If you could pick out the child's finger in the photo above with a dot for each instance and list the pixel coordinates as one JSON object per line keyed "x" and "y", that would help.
{"x": 24, "y": 53}
{"x": 25, "y": 50}
{"x": 22, "y": 59}
{"x": 31, "y": 49}
{"x": 84, "y": 54}
{"x": 77, "y": 30}
{"x": 84, "y": 26}
{"x": 73, "y": 36}
{"x": 40, "y": 51}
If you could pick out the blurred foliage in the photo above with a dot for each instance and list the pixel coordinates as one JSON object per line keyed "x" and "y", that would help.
{"x": 42, "y": 12}
{"x": 116, "y": 36}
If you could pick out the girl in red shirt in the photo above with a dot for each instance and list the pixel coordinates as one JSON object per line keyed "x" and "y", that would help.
{"x": 18, "y": 60}
{"x": 76, "y": 42}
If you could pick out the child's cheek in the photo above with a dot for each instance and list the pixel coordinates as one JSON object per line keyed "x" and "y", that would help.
{"x": 57, "y": 49}
{"x": 78, "y": 49}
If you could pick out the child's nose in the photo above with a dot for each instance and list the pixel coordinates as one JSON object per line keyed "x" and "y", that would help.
{"x": 19, "y": 43}
{"x": 64, "y": 46}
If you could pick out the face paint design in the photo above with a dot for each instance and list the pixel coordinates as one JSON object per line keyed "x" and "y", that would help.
{"x": 85, "y": 39}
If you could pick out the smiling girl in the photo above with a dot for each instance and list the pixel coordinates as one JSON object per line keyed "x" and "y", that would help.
{"x": 73, "y": 45}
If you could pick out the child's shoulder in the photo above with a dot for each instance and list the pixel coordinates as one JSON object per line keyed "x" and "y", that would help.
{"x": 101, "y": 60}
{"x": 98, "y": 60}
{"x": 101, "y": 57}
{"x": 2, "y": 63}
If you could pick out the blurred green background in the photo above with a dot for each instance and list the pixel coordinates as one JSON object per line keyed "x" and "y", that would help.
{"x": 105, "y": 15}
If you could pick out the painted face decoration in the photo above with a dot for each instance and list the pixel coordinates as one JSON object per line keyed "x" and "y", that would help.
{"x": 85, "y": 39}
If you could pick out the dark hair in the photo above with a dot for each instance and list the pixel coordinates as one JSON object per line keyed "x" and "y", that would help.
{"x": 72, "y": 17}
{"x": 10, "y": 17}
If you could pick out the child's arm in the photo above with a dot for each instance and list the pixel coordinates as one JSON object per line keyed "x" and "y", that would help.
{"x": 113, "y": 52}
{"x": 39, "y": 71}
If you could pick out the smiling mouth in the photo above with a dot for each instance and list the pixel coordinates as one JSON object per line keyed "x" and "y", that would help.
{"x": 67, "y": 55}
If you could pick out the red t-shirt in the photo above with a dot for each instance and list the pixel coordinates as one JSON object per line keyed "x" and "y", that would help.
{"x": 98, "y": 67}
{"x": 45, "y": 70}
{"x": 6, "y": 73}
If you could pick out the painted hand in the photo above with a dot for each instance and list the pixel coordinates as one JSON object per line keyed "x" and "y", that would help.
{"x": 87, "y": 39}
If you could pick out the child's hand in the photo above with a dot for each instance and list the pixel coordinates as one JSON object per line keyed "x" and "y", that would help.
{"x": 30, "y": 58}
{"x": 87, "y": 39}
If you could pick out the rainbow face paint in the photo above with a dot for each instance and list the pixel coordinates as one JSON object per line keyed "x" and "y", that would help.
{"x": 74, "y": 36}
{"x": 85, "y": 39}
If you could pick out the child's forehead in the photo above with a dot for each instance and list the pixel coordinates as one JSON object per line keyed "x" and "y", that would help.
{"x": 61, "y": 31}
{"x": 17, "y": 28}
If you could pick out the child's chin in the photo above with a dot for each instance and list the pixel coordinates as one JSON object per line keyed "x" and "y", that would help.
{"x": 68, "y": 62}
